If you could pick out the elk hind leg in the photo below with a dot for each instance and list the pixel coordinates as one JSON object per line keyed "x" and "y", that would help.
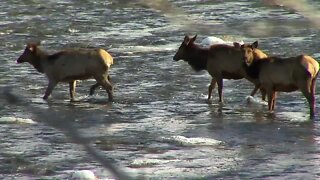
{"x": 93, "y": 87}
{"x": 270, "y": 99}
{"x": 105, "y": 83}
{"x": 274, "y": 97}
{"x": 254, "y": 91}
{"x": 263, "y": 94}
{"x": 211, "y": 87}
{"x": 220, "y": 87}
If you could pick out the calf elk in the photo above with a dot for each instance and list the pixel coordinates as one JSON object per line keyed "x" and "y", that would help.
{"x": 69, "y": 66}
{"x": 283, "y": 74}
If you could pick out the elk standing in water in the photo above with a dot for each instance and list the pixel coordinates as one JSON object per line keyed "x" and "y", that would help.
{"x": 69, "y": 66}
{"x": 221, "y": 61}
{"x": 283, "y": 74}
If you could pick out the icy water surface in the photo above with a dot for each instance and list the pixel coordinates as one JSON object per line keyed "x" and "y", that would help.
{"x": 161, "y": 125}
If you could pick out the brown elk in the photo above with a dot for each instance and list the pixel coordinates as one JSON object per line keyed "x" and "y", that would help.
{"x": 221, "y": 61}
{"x": 283, "y": 75}
{"x": 70, "y": 65}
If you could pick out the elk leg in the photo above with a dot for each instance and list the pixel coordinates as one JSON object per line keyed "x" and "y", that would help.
{"x": 263, "y": 94}
{"x": 72, "y": 89}
{"x": 211, "y": 87}
{"x": 220, "y": 87}
{"x": 254, "y": 91}
{"x": 311, "y": 101}
{"x": 313, "y": 91}
{"x": 269, "y": 94}
{"x": 308, "y": 92}
{"x": 49, "y": 89}
{"x": 104, "y": 82}
{"x": 312, "y": 105}
{"x": 274, "y": 96}
{"x": 262, "y": 91}
{"x": 93, "y": 87}
{"x": 109, "y": 78}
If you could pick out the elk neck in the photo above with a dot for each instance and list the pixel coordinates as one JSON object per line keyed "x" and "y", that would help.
{"x": 38, "y": 59}
{"x": 197, "y": 57}
{"x": 253, "y": 70}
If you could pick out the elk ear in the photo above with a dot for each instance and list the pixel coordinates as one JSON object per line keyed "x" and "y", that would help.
{"x": 193, "y": 39}
{"x": 186, "y": 39}
{"x": 255, "y": 44}
{"x": 236, "y": 45}
{"x": 31, "y": 47}
{"x": 33, "y": 44}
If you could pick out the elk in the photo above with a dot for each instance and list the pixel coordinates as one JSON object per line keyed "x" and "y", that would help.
{"x": 70, "y": 65}
{"x": 283, "y": 75}
{"x": 220, "y": 60}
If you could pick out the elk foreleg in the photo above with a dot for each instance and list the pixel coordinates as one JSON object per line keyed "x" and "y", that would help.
{"x": 72, "y": 89}
{"x": 49, "y": 89}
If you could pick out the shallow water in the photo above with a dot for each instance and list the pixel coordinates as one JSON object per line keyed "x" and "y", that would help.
{"x": 161, "y": 125}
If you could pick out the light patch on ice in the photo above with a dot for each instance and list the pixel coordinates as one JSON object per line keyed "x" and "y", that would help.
{"x": 158, "y": 121}
{"x": 208, "y": 41}
{"x": 71, "y": 30}
{"x": 211, "y": 40}
{"x": 86, "y": 175}
{"x": 297, "y": 117}
{"x": 149, "y": 162}
{"x": 253, "y": 100}
{"x": 192, "y": 163}
{"x": 118, "y": 128}
{"x": 295, "y": 39}
{"x": 16, "y": 120}
{"x": 83, "y": 175}
{"x": 123, "y": 32}
{"x": 34, "y": 87}
{"x": 135, "y": 49}
{"x": 185, "y": 141}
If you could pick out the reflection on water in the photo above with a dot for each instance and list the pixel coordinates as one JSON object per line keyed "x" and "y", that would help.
{"x": 161, "y": 124}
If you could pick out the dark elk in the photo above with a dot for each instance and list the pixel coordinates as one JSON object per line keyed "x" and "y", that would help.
{"x": 71, "y": 65}
{"x": 220, "y": 60}
{"x": 283, "y": 75}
